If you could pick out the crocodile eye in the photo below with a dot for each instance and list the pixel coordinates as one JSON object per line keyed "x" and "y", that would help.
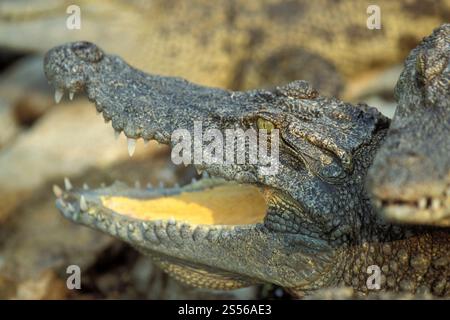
{"x": 265, "y": 124}
{"x": 87, "y": 51}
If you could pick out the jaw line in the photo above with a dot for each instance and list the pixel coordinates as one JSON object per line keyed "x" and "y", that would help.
{"x": 205, "y": 244}
{"x": 168, "y": 239}
{"x": 95, "y": 214}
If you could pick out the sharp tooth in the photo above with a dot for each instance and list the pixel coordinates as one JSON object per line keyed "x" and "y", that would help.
{"x": 71, "y": 95}
{"x": 85, "y": 186}
{"x": 57, "y": 191}
{"x": 131, "y": 146}
{"x": 149, "y": 186}
{"x": 137, "y": 184}
{"x": 199, "y": 171}
{"x": 58, "y": 95}
{"x": 67, "y": 184}
{"x": 83, "y": 204}
{"x": 116, "y": 134}
{"x": 422, "y": 203}
{"x": 71, "y": 208}
{"x": 435, "y": 204}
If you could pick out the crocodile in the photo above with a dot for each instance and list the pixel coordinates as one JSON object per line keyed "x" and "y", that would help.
{"x": 410, "y": 176}
{"x": 312, "y": 225}
{"x": 247, "y": 44}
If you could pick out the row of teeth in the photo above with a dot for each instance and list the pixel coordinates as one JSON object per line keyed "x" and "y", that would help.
{"x": 423, "y": 203}
{"x": 131, "y": 143}
{"x": 68, "y": 186}
{"x": 83, "y": 205}
{"x": 59, "y": 93}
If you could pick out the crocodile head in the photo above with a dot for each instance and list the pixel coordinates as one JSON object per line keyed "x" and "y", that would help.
{"x": 410, "y": 176}
{"x": 288, "y": 224}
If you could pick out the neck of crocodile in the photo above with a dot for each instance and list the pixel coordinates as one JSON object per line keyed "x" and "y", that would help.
{"x": 406, "y": 258}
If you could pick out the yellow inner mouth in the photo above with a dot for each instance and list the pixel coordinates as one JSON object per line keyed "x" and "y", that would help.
{"x": 230, "y": 204}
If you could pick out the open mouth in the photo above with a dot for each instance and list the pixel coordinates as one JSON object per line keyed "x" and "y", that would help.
{"x": 221, "y": 205}
{"x": 209, "y": 201}
{"x": 205, "y": 204}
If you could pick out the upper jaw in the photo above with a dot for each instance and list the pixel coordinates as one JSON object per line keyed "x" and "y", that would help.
{"x": 65, "y": 77}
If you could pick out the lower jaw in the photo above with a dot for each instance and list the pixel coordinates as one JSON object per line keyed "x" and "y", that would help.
{"x": 150, "y": 218}
{"x": 225, "y": 242}
{"x": 199, "y": 244}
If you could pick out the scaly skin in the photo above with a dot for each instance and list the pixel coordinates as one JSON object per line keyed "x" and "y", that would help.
{"x": 248, "y": 44}
{"x": 319, "y": 230}
{"x": 410, "y": 177}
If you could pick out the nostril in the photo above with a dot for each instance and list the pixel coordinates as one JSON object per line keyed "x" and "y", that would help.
{"x": 87, "y": 51}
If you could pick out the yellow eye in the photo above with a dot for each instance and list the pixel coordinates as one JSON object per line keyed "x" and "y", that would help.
{"x": 265, "y": 124}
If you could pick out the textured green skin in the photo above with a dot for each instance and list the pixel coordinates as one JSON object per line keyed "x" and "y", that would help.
{"x": 414, "y": 161}
{"x": 320, "y": 229}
